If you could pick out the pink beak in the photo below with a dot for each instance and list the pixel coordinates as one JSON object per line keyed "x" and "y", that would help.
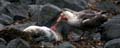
{"x": 54, "y": 27}
{"x": 59, "y": 19}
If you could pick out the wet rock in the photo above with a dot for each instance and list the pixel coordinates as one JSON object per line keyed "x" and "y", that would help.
{"x": 18, "y": 43}
{"x": 42, "y": 2}
{"x": 3, "y": 3}
{"x": 44, "y": 15}
{"x": 3, "y": 46}
{"x": 112, "y": 27}
{"x": 108, "y": 6}
{"x": 115, "y": 43}
{"x": 21, "y": 26}
{"x": 25, "y": 2}
{"x": 5, "y": 19}
{"x": 47, "y": 45}
{"x": 76, "y": 5}
{"x": 16, "y": 10}
{"x": 65, "y": 45}
{"x": 2, "y": 43}
{"x": 75, "y": 36}
{"x": 97, "y": 36}
{"x": 2, "y": 26}
{"x": 72, "y": 4}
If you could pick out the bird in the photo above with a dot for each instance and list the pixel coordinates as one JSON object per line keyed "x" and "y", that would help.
{"x": 85, "y": 20}
{"x": 43, "y": 31}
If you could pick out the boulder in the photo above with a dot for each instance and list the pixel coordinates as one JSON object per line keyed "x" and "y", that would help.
{"x": 108, "y": 6}
{"x": 21, "y": 26}
{"x": 5, "y": 19}
{"x": 44, "y": 14}
{"x": 25, "y": 2}
{"x": 2, "y": 27}
{"x": 18, "y": 43}
{"x": 112, "y": 26}
{"x": 76, "y": 5}
{"x": 72, "y": 4}
{"x": 65, "y": 45}
{"x": 16, "y": 10}
{"x": 3, "y": 3}
{"x": 2, "y": 43}
{"x": 115, "y": 43}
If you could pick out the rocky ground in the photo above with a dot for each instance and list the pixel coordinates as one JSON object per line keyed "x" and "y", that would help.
{"x": 16, "y": 15}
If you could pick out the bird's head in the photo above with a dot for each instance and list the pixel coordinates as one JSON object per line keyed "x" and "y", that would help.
{"x": 64, "y": 16}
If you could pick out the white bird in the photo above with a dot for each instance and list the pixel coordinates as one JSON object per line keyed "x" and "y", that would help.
{"x": 45, "y": 31}
{"x": 85, "y": 20}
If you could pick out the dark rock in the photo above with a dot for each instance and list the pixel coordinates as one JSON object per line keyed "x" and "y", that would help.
{"x": 76, "y": 5}
{"x": 44, "y": 15}
{"x": 65, "y": 45}
{"x": 42, "y": 2}
{"x": 5, "y": 19}
{"x": 72, "y": 4}
{"x": 35, "y": 13}
{"x": 112, "y": 27}
{"x": 25, "y": 2}
{"x": 2, "y": 41}
{"x": 2, "y": 26}
{"x": 16, "y": 10}
{"x": 18, "y": 43}
{"x": 47, "y": 45}
{"x": 3, "y": 3}
{"x": 115, "y": 43}
{"x": 21, "y": 26}
{"x": 108, "y": 6}
{"x": 3, "y": 46}
{"x": 96, "y": 36}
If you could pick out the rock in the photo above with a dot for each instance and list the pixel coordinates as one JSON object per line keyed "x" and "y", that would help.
{"x": 65, "y": 45}
{"x": 75, "y": 36}
{"x": 18, "y": 43}
{"x": 35, "y": 13}
{"x": 13, "y": 1}
{"x": 3, "y": 46}
{"x": 42, "y": 2}
{"x": 76, "y": 5}
{"x": 2, "y": 27}
{"x": 25, "y": 2}
{"x": 3, "y": 3}
{"x": 21, "y": 26}
{"x": 47, "y": 45}
{"x": 16, "y": 10}
{"x": 112, "y": 27}
{"x": 108, "y": 6}
{"x": 5, "y": 19}
{"x": 2, "y": 41}
{"x": 115, "y": 43}
{"x": 97, "y": 36}
{"x": 44, "y": 15}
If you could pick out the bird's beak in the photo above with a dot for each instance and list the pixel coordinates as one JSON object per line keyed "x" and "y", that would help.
{"x": 61, "y": 18}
